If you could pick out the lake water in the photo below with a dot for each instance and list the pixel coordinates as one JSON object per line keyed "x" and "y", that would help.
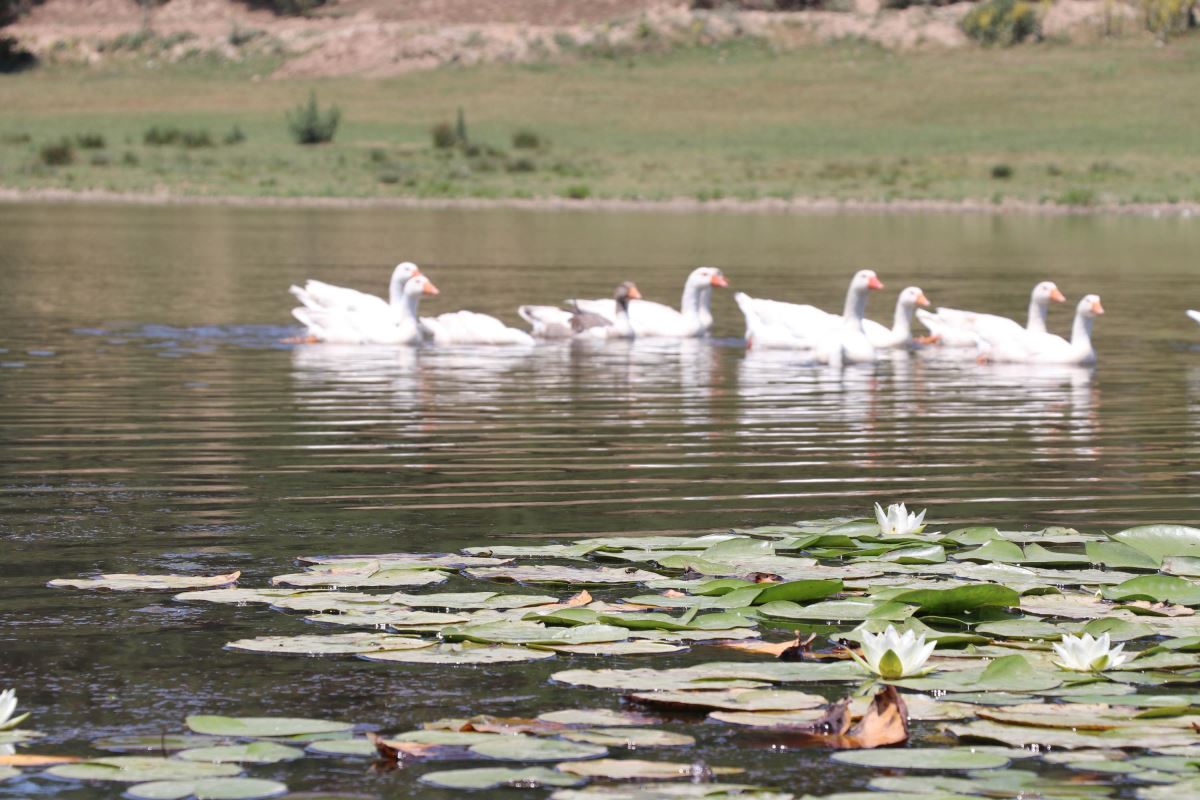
{"x": 151, "y": 420}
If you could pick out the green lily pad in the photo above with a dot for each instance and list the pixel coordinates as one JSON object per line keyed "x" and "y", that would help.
{"x": 263, "y": 727}
{"x": 330, "y": 644}
{"x": 470, "y": 600}
{"x": 365, "y": 578}
{"x": 254, "y": 753}
{"x": 932, "y": 758}
{"x": 531, "y": 748}
{"x": 733, "y": 699}
{"x": 1120, "y": 556}
{"x": 344, "y": 747}
{"x": 1160, "y": 541}
{"x": 673, "y": 791}
{"x": 465, "y": 653}
{"x": 953, "y": 602}
{"x": 493, "y": 777}
{"x": 140, "y": 769}
{"x": 629, "y": 737}
{"x": 994, "y": 550}
{"x": 593, "y": 717}
{"x": 1157, "y": 588}
{"x": 145, "y": 583}
{"x": 630, "y": 647}
{"x": 210, "y": 789}
{"x": 1021, "y": 629}
{"x": 153, "y": 743}
{"x": 627, "y": 769}
{"x": 571, "y": 576}
{"x": 529, "y": 633}
{"x": 798, "y": 591}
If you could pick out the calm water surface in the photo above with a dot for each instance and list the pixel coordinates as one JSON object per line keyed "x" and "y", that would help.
{"x": 151, "y": 420}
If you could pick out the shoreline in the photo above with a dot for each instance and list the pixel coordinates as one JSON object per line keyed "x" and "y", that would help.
{"x": 682, "y": 205}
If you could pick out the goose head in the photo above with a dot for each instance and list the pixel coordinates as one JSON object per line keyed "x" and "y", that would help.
{"x": 404, "y": 271}
{"x": 625, "y": 292}
{"x": 864, "y": 281}
{"x": 1047, "y": 292}
{"x": 1089, "y": 307}
{"x": 912, "y": 297}
{"x": 706, "y": 278}
{"x": 419, "y": 285}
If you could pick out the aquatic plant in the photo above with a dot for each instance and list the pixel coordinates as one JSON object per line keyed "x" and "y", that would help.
{"x": 1089, "y": 654}
{"x": 892, "y": 655}
{"x": 897, "y": 520}
{"x": 8, "y": 706}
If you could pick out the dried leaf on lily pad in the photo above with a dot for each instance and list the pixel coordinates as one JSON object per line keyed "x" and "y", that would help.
{"x": 493, "y": 777}
{"x": 464, "y": 653}
{"x": 632, "y": 769}
{"x": 118, "y": 582}
{"x": 263, "y": 727}
{"x": 733, "y": 699}
{"x": 932, "y": 758}
{"x": 211, "y": 789}
{"x": 32, "y": 760}
{"x": 330, "y": 644}
{"x": 140, "y": 769}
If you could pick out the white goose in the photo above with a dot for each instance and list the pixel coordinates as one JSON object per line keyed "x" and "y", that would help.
{"x": 1194, "y": 315}
{"x": 835, "y": 339}
{"x": 321, "y": 296}
{"x": 1046, "y": 348}
{"x": 552, "y": 322}
{"x": 955, "y": 328}
{"x": 471, "y": 327}
{"x": 381, "y": 323}
{"x": 900, "y": 334}
{"x": 647, "y": 318}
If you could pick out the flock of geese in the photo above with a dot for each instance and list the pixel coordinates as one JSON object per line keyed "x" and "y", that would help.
{"x": 347, "y": 316}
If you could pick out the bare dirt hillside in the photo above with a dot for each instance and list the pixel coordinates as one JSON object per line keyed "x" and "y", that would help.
{"x": 373, "y": 38}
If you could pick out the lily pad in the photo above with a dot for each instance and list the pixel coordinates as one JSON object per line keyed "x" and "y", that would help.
{"x": 254, "y": 753}
{"x": 331, "y": 644}
{"x": 531, "y": 748}
{"x": 210, "y": 789}
{"x": 573, "y": 576}
{"x": 140, "y": 769}
{"x": 589, "y": 717}
{"x": 493, "y": 777}
{"x": 629, "y": 737}
{"x": 923, "y": 758}
{"x": 118, "y": 582}
{"x": 470, "y": 600}
{"x": 465, "y": 653}
{"x": 1159, "y": 588}
{"x": 673, "y": 791}
{"x": 157, "y": 743}
{"x": 627, "y": 769}
{"x": 1160, "y": 541}
{"x": 733, "y": 699}
{"x": 263, "y": 727}
{"x": 365, "y": 578}
{"x": 344, "y": 747}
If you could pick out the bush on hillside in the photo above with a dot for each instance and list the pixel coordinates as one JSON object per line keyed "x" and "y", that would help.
{"x": 1002, "y": 22}
{"x": 56, "y": 154}
{"x": 309, "y": 125}
{"x": 284, "y": 7}
{"x": 1164, "y": 18}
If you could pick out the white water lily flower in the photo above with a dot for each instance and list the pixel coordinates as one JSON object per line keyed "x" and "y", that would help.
{"x": 1085, "y": 654}
{"x": 892, "y": 656}
{"x": 8, "y": 704}
{"x": 897, "y": 519}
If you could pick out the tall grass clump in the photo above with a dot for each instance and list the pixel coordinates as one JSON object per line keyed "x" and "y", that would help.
{"x": 90, "y": 141}
{"x": 309, "y": 125}
{"x": 57, "y": 154}
{"x": 1164, "y": 18}
{"x": 526, "y": 139}
{"x": 1002, "y": 22}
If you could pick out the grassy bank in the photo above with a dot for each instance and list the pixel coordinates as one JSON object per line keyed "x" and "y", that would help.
{"x": 1107, "y": 124}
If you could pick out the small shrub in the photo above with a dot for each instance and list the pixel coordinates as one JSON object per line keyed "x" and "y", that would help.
{"x": 56, "y": 154}
{"x": 1077, "y": 197}
{"x": 1166, "y": 17}
{"x": 16, "y": 138}
{"x": 159, "y": 137}
{"x": 443, "y": 136}
{"x": 194, "y": 139}
{"x": 100, "y": 160}
{"x": 1002, "y": 22}
{"x": 526, "y": 139}
{"x": 578, "y": 191}
{"x": 309, "y": 125}
{"x": 130, "y": 159}
{"x": 12, "y": 57}
{"x": 1054, "y": 170}
{"x": 235, "y": 136}
{"x": 90, "y": 141}
{"x": 239, "y": 36}
{"x": 377, "y": 155}
{"x": 521, "y": 165}
{"x": 389, "y": 177}
{"x": 1002, "y": 172}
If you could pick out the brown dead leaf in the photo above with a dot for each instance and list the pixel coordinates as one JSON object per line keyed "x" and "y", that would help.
{"x": 31, "y": 760}
{"x": 885, "y": 722}
{"x": 581, "y": 599}
{"x": 486, "y": 723}
{"x": 392, "y": 750}
{"x": 762, "y": 577}
{"x": 674, "y": 593}
{"x": 1158, "y": 609}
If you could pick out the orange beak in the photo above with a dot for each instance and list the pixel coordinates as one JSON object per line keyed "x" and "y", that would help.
{"x": 1057, "y": 296}
{"x": 418, "y": 272}
{"x": 922, "y": 300}
{"x": 430, "y": 288}
{"x": 874, "y": 283}
{"x": 720, "y": 280}
{"x": 1097, "y": 308}
{"x": 634, "y": 294}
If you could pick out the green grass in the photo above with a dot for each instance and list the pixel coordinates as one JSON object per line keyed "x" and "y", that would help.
{"x": 1109, "y": 123}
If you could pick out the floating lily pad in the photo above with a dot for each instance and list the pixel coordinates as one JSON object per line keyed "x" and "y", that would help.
{"x": 470, "y": 600}
{"x": 589, "y": 717}
{"x": 932, "y": 758}
{"x": 210, "y": 789}
{"x": 145, "y": 583}
{"x": 573, "y": 576}
{"x": 1159, "y": 588}
{"x": 1160, "y": 541}
{"x": 344, "y": 747}
{"x": 633, "y": 647}
{"x": 331, "y": 644}
{"x": 530, "y": 748}
{"x": 733, "y": 699}
{"x": 460, "y": 654}
{"x": 140, "y": 769}
{"x": 254, "y": 753}
{"x": 379, "y": 577}
{"x": 673, "y": 791}
{"x": 157, "y": 743}
{"x": 529, "y": 633}
{"x": 629, "y": 737}
{"x": 263, "y": 727}
{"x": 493, "y": 777}
{"x": 628, "y": 769}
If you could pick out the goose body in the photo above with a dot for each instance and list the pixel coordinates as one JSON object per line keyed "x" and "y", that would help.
{"x": 321, "y": 296}
{"x": 381, "y": 323}
{"x": 471, "y": 327}
{"x": 552, "y": 322}
{"x": 1046, "y": 348}
{"x": 900, "y": 334}
{"x": 1194, "y": 315}
{"x": 650, "y": 319}
{"x": 834, "y": 339}
{"x": 957, "y": 328}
